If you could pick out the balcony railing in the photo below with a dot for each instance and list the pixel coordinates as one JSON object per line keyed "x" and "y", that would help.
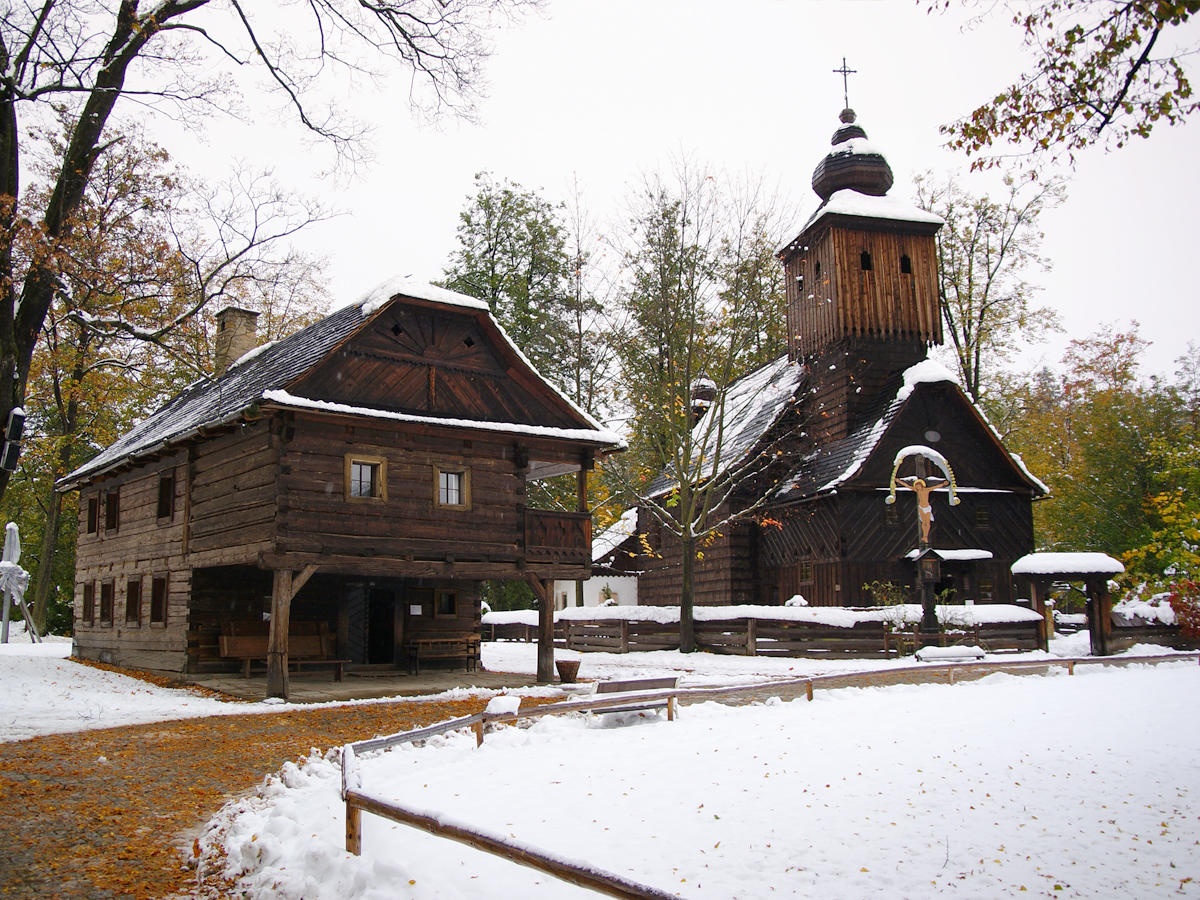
{"x": 558, "y": 537}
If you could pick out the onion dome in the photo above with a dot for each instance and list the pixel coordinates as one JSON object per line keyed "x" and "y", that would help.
{"x": 852, "y": 163}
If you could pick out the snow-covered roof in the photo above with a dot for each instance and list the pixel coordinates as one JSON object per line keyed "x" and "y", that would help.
{"x": 829, "y": 467}
{"x": 954, "y": 555}
{"x": 854, "y": 204}
{"x": 1067, "y": 564}
{"x": 728, "y": 431}
{"x": 263, "y": 376}
{"x": 615, "y": 535}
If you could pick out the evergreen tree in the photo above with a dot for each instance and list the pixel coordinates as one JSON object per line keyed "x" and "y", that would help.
{"x": 512, "y": 253}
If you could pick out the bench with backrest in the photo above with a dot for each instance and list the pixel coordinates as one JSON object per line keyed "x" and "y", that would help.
{"x": 465, "y": 647}
{"x": 309, "y": 645}
{"x": 633, "y": 687}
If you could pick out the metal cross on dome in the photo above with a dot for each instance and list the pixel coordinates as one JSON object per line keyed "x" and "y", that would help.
{"x": 845, "y": 71}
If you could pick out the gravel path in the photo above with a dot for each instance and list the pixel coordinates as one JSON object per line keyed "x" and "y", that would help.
{"x": 112, "y": 813}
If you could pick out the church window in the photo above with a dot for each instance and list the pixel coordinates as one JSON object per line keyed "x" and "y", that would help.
{"x": 905, "y": 265}
{"x": 865, "y": 259}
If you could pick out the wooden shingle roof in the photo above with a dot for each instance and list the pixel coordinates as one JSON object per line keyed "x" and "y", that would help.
{"x": 264, "y": 376}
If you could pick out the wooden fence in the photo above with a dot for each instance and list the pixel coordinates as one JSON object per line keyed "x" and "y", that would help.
{"x": 358, "y": 800}
{"x": 770, "y": 637}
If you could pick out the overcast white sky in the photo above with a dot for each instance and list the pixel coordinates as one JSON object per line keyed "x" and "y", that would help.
{"x": 607, "y": 90}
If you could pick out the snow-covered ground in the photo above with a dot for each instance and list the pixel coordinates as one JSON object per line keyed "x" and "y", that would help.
{"x": 1064, "y": 786}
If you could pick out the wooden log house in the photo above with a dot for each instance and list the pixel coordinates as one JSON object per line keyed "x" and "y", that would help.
{"x": 854, "y": 389}
{"x": 356, "y": 480}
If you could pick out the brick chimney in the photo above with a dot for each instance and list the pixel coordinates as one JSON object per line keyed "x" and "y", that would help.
{"x": 237, "y": 335}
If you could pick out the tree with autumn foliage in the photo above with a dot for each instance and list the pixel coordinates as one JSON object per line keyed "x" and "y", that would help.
{"x": 89, "y": 63}
{"x": 1120, "y": 454}
{"x": 1102, "y": 73}
{"x": 151, "y": 253}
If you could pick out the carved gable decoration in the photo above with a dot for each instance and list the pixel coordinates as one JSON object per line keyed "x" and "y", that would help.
{"x": 434, "y": 362}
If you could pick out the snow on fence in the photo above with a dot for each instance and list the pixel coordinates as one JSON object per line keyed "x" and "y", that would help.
{"x": 826, "y": 632}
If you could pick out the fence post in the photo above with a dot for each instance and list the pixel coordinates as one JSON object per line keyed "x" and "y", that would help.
{"x": 752, "y": 637}
{"x": 353, "y": 828}
{"x": 624, "y": 635}
{"x": 808, "y": 690}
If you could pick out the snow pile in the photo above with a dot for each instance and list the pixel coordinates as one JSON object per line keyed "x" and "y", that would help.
{"x": 1154, "y": 611}
{"x": 1067, "y": 564}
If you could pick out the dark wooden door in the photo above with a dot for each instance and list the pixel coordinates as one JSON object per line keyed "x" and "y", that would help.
{"x": 381, "y": 627}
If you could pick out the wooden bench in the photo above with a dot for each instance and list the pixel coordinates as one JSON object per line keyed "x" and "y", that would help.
{"x": 304, "y": 650}
{"x": 465, "y": 647}
{"x": 634, "y": 686}
{"x": 959, "y": 653}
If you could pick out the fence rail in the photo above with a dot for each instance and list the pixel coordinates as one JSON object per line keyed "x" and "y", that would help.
{"x": 358, "y": 801}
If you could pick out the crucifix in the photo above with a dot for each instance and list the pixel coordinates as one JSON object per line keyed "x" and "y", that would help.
{"x": 845, "y": 71}
{"x": 922, "y": 485}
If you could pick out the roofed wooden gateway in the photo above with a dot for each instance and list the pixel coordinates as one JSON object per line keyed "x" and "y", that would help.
{"x": 856, "y": 389}
{"x": 344, "y": 491}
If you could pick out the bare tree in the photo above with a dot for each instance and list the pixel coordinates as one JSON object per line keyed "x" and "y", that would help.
{"x": 689, "y": 294}
{"x": 87, "y": 57}
{"x": 985, "y": 251}
{"x": 150, "y": 249}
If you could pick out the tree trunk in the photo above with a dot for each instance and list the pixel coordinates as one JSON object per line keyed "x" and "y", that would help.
{"x": 43, "y": 582}
{"x": 687, "y": 628}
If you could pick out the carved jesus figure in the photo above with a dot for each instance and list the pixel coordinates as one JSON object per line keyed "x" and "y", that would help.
{"x": 922, "y": 487}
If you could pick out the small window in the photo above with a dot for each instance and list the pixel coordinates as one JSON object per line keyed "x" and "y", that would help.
{"x": 986, "y": 589}
{"x": 452, "y": 488}
{"x": 112, "y": 510}
{"x": 133, "y": 602}
{"x": 865, "y": 259}
{"x": 107, "y": 593}
{"x": 93, "y": 515}
{"x": 891, "y": 515}
{"x": 817, "y": 269}
{"x": 366, "y": 477}
{"x": 89, "y": 603}
{"x": 905, "y": 265}
{"x": 445, "y": 603}
{"x": 804, "y": 572}
{"x": 158, "y": 601}
{"x": 983, "y": 516}
{"x": 166, "y": 496}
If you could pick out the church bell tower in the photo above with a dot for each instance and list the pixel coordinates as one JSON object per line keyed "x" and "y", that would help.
{"x": 861, "y": 281}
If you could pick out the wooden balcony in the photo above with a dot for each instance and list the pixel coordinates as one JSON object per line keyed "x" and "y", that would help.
{"x": 560, "y": 538}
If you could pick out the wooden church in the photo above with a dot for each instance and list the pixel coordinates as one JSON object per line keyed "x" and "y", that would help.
{"x": 336, "y": 497}
{"x": 854, "y": 391}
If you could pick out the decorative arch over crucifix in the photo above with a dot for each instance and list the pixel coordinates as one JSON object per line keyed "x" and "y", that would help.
{"x": 923, "y": 487}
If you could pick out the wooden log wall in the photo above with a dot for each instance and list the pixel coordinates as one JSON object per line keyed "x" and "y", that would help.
{"x": 315, "y": 517}
{"x": 145, "y": 548}
{"x": 233, "y": 489}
